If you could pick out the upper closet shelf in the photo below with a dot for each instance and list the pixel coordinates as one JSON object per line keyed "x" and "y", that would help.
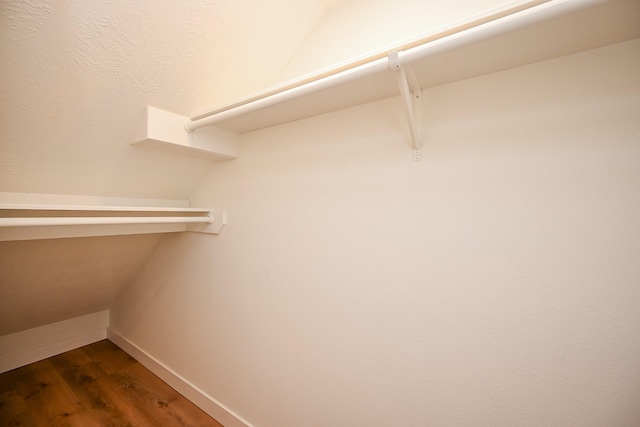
{"x": 520, "y": 33}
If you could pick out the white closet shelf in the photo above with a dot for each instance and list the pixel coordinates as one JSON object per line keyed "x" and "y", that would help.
{"x": 519, "y": 33}
{"x": 5, "y": 207}
{"x": 30, "y": 221}
{"x": 524, "y": 33}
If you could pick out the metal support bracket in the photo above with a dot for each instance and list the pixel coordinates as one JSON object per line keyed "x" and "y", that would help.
{"x": 410, "y": 92}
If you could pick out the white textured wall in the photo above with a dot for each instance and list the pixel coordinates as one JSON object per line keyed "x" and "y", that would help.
{"x": 494, "y": 283}
{"x": 77, "y": 75}
{"x": 75, "y": 78}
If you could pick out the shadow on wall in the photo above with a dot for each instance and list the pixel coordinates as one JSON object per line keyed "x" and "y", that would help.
{"x": 46, "y": 281}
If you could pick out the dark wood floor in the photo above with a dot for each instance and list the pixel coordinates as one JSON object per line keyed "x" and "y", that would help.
{"x": 95, "y": 385}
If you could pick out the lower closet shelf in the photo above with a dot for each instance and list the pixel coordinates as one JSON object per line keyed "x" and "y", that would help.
{"x": 32, "y": 222}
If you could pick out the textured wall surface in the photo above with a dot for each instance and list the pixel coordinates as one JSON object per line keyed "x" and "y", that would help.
{"x": 76, "y": 76}
{"x": 494, "y": 283}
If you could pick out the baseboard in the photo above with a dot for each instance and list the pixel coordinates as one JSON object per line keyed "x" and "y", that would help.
{"x": 25, "y": 347}
{"x": 204, "y": 401}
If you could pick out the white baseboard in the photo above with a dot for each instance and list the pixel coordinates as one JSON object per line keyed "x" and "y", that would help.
{"x": 25, "y": 347}
{"x": 201, "y": 399}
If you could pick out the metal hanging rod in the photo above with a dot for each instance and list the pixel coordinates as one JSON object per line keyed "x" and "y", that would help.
{"x": 100, "y": 208}
{"x": 277, "y": 97}
{"x": 517, "y": 14}
{"x": 101, "y": 220}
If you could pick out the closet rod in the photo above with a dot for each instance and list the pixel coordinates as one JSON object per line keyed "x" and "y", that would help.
{"x": 436, "y": 44}
{"x": 541, "y": 13}
{"x": 289, "y": 94}
{"x": 57, "y": 221}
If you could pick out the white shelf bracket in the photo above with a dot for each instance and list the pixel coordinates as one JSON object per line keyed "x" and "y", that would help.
{"x": 217, "y": 221}
{"x": 165, "y": 130}
{"x": 411, "y": 93}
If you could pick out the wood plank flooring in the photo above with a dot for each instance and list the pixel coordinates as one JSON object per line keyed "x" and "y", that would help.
{"x": 95, "y": 385}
